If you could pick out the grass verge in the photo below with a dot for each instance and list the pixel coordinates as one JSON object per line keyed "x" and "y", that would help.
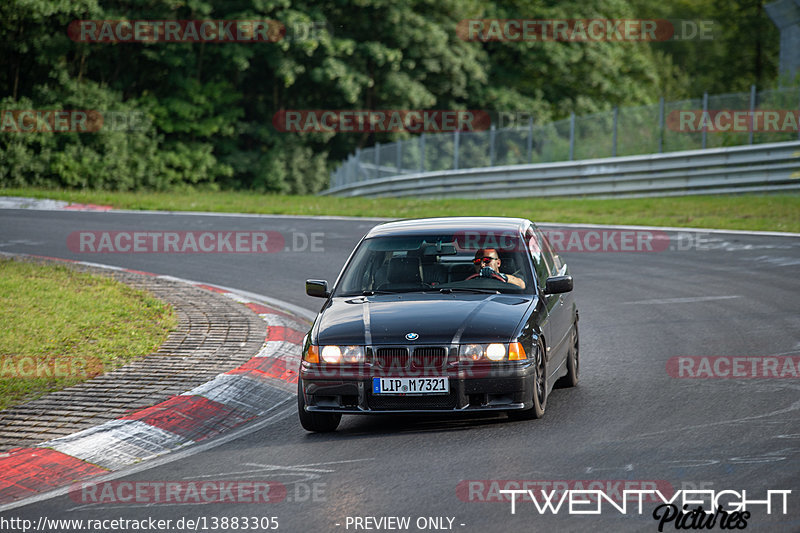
{"x": 61, "y": 327}
{"x": 778, "y": 212}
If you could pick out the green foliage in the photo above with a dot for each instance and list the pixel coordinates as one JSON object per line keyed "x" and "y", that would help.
{"x": 208, "y": 107}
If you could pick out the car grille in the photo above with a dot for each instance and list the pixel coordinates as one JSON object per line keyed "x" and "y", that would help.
{"x": 392, "y": 358}
{"x": 429, "y": 357}
{"x": 422, "y": 358}
{"x": 442, "y": 401}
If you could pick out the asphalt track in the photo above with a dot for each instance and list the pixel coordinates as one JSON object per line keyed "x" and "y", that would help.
{"x": 628, "y": 420}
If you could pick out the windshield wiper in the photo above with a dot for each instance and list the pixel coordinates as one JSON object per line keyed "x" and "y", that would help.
{"x": 448, "y": 290}
{"x": 373, "y": 293}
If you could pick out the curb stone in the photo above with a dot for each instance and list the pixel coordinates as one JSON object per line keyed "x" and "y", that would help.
{"x": 230, "y": 361}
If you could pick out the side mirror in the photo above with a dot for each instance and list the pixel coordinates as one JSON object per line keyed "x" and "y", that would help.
{"x": 558, "y": 285}
{"x": 317, "y": 287}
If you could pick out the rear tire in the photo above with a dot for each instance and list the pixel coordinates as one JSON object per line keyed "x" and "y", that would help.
{"x": 539, "y": 389}
{"x": 316, "y": 422}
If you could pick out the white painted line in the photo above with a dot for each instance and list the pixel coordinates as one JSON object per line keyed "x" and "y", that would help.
{"x": 99, "y": 265}
{"x": 667, "y": 228}
{"x": 272, "y": 319}
{"x": 36, "y": 204}
{"x": 274, "y": 302}
{"x": 238, "y": 298}
{"x": 691, "y": 299}
{"x": 117, "y": 443}
{"x": 384, "y": 219}
{"x": 224, "y": 438}
{"x": 737, "y": 421}
{"x": 280, "y": 349}
{"x": 255, "y": 298}
{"x": 241, "y": 392}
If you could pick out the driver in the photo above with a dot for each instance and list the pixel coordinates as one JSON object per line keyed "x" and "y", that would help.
{"x": 487, "y": 265}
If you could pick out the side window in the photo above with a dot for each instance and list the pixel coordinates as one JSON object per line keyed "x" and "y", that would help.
{"x": 534, "y": 247}
{"x": 557, "y": 262}
{"x": 552, "y": 260}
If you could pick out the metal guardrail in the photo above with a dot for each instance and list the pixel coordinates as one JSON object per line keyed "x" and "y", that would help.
{"x": 750, "y": 168}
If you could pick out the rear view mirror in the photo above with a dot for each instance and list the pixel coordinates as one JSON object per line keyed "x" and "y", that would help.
{"x": 558, "y": 285}
{"x": 317, "y": 288}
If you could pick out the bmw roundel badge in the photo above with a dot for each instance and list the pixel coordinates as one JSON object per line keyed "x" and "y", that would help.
{"x": 412, "y": 336}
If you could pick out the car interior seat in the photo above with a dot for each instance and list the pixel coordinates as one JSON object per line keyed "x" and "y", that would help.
{"x": 403, "y": 272}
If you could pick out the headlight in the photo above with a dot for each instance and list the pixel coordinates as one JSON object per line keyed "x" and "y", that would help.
{"x": 494, "y": 352}
{"x": 333, "y": 354}
{"x": 471, "y": 352}
{"x": 353, "y": 354}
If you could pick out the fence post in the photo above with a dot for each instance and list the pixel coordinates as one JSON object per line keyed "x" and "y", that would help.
{"x": 572, "y": 136}
{"x": 358, "y": 164}
{"x": 752, "y": 108}
{"x": 661, "y": 125}
{"x": 492, "y": 133}
{"x": 399, "y": 156}
{"x": 614, "y": 138}
{"x": 530, "y": 139}
{"x": 422, "y": 153}
{"x": 350, "y": 170}
{"x": 455, "y": 149}
{"x": 798, "y": 109}
{"x": 705, "y": 111}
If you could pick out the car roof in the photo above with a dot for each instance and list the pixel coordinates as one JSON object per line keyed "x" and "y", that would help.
{"x": 420, "y": 226}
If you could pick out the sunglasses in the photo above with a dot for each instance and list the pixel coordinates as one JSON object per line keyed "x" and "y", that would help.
{"x": 486, "y": 259}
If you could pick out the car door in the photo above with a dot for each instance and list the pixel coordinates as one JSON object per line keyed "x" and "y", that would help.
{"x": 559, "y": 305}
{"x": 547, "y": 302}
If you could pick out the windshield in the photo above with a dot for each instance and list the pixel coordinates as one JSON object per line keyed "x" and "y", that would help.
{"x": 435, "y": 263}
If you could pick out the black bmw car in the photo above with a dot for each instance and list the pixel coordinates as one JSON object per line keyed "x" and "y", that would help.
{"x": 460, "y": 314}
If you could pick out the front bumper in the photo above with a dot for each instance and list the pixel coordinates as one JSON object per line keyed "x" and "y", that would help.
{"x": 492, "y": 387}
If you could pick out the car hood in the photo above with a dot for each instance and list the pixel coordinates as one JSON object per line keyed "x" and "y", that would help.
{"x": 435, "y": 318}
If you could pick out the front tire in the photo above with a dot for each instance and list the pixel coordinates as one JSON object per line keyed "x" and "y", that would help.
{"x": 539, "y": 389}
{"x": 316, "y": 422}
{"x": 573, "y": 361}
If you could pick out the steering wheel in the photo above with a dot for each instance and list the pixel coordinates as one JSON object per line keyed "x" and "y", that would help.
{"x": 494, "y": 275}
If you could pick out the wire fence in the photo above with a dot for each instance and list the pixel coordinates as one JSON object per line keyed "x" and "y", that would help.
{"x": 658, "y": 128}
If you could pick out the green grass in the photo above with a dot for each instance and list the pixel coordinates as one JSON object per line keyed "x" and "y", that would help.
{"x": 778, "y": 212}
{"x": 61, "y": 327}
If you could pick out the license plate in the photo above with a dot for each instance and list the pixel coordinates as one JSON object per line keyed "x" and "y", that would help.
{"x": 410, "y": 385}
